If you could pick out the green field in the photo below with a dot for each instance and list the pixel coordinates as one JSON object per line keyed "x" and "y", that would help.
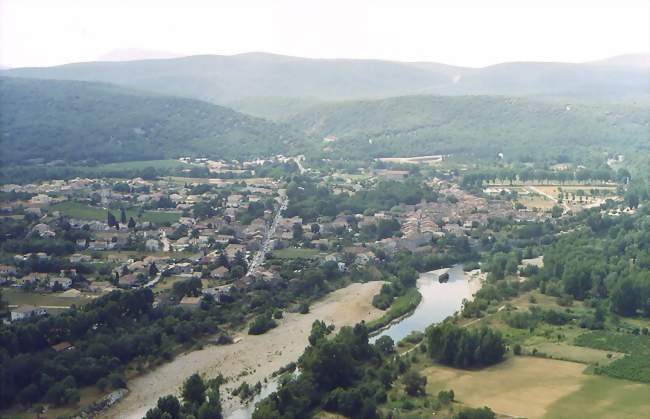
{"x": 134, "y": 165}
{"x": 83, "y": 211}
{"x": 19, "y": 297}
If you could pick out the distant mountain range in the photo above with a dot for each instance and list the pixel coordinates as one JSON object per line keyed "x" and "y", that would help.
{"x": 274, "y": 85}
{"x": 134, "y": 54}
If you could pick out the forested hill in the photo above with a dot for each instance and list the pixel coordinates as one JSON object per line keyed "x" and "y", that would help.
{"x": 80, "y": 121}
{"x": 478, "y": 126}
{"x": 268, "y": 83}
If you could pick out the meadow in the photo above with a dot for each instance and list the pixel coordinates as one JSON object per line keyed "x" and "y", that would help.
{"x": 134, "y": 165}
{"x": 540, "y": 388}
{"x": 83, "y": 211}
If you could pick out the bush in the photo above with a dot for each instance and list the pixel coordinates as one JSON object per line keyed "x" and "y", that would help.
{"x": 261, "y": 324}
{"x": 117, "y": 380}
{"x": 516, "y": 349}
{"x": 303, "y": 308}
{"x": 481, "y": 413}
{"x": 446, "y": 397}
{"x": 414, "y": 383}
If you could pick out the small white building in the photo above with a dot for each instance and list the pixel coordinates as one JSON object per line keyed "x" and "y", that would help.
{"x": 26, "y": 311}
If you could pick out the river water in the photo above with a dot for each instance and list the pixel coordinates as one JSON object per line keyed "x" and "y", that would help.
{"x": 439, "y": 300}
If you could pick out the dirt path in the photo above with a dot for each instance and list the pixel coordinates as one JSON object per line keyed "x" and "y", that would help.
{"x": 259, "y": 355}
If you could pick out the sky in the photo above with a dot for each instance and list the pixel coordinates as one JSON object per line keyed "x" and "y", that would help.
{"x": 462, "y": 32}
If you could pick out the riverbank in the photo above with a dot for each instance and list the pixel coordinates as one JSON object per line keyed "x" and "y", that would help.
{"x": 253, "y": 358}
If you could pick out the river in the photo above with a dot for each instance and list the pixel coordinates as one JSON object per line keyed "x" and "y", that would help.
{"x": 439, "y": 300}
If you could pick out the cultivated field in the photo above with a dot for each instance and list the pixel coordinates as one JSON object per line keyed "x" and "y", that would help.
{"x": 542, "y": 388}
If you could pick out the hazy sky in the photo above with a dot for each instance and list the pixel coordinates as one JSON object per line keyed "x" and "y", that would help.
{"x": 463, "y": 32}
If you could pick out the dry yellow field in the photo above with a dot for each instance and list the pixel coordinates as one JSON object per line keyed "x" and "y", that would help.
{"x": 519, "y": 386}
{"x": 542, "y": 388}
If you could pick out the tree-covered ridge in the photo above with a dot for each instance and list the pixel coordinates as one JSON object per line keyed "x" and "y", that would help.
{"x": 478, "y": 127}
{"x": 79, "y": 121}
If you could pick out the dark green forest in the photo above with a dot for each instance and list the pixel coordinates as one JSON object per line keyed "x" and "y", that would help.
{"x": 479, "y": 127}
{"x": 81, "y": 122}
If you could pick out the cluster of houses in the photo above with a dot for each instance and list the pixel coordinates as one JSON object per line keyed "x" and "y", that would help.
{"x": 237, "y": 225}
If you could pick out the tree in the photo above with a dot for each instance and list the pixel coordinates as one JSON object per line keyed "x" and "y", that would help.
{"x": 414, "y": 383}
{"x": 110, "y": 219}
{"x": 240, "y": 259}
{"x": 625, "y": 298}
{"x": 471, "y": 413}
{"x": 223, "y": 260}
{"x": 557, "y": 211}
{"x": 318, "y": 331}
{"x": 122, "y": 216}
{"x": 385, "y": 344}
{"x": 169, "y": 404}
{"x": 194, "y": 390}
{"x": 297, "y": 231}
{"x": 446, "y": 397}
{"x": 632, "y": 199}
{"x": 153, "y": 269}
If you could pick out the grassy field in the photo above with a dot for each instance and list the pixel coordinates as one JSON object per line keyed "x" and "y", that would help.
{"x": 603, "y": 397}
{"x": 295, "y": 253}
{"x": 134, "y": 165}
{"x": 78, "y": 210}
{"x": 541, "y": 388}
{"x": 539, "y": 202}
{"x": 20, "y": 297}
{"x": 577, "y": 353}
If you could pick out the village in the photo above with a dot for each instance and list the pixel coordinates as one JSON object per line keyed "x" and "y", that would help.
{"x": 108, "y": 234}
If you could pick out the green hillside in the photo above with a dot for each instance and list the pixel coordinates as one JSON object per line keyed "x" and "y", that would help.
{"x": 82, "y": 122}
{"x": 478, "y": 127}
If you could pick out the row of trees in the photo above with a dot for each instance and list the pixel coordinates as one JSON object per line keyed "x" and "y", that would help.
{"x": 478, "y": 178}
